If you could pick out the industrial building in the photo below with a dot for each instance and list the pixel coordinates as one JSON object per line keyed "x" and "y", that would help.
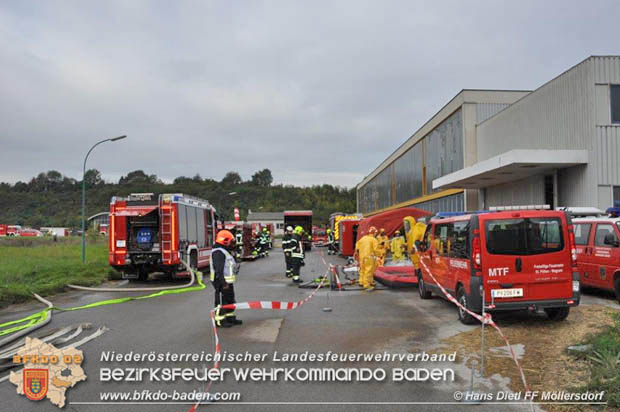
{"x": 556, "y": 145}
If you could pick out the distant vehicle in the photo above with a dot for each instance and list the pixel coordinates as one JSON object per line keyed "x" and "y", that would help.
{"x": 348, "y": 236}
{"x": 3, "y": 229}
{"x": 319, "y": 235}
{"x": 301, "y": 218}
{"x": 155, "y": 233}
{"x": 55, "y": 231}
{"x": 598, "y": 252}
{"x": 13, "y": 230}
{"x": 521, "y": 259}
{"x": 30, "y": 233}
{"x": 104, "y": 229}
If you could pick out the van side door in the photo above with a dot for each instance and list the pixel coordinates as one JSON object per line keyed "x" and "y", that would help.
{"x": 584, "y": 240}
{"x": 605, "y": 249}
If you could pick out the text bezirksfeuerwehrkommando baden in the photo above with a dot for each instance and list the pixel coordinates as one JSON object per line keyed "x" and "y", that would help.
{"x": 307, "y": 356}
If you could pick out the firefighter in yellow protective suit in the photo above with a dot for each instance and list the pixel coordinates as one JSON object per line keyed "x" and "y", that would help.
{"x": 418, "y": 234}
{"x": 397, "y": 246}
{"x": 366, "y": 253}
{"x": 384, "y": 246}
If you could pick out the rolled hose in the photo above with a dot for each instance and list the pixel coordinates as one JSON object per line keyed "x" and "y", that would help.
{"x": 186, "y": 285}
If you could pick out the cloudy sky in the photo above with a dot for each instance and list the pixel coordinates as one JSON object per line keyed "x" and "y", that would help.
{"x": 316, "y": 91}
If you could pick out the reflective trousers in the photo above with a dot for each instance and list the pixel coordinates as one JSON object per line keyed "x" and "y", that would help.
{"x": 296, "y": 267}
{"x": 289, "y": 265}
{"x": 223, "y": 296}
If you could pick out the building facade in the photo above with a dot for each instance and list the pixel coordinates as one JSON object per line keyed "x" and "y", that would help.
{"x": 444, "y": 144}
{"x": 268, "y": 218}
{"x": 557, "y": 145}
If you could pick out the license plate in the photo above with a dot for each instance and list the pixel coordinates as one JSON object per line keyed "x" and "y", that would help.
{"x": 507, "y": 293}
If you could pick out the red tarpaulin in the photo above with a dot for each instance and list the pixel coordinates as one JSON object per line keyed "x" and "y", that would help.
{"x": 391, "y": 220}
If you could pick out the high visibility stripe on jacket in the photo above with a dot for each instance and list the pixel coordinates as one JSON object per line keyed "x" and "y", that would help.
{"x": 297, "y": 250}
{"x": 229, "y": 266}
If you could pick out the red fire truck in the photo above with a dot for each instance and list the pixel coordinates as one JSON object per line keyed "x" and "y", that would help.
{"x": 521, "y": 259}
{"x": 154, "y": 233}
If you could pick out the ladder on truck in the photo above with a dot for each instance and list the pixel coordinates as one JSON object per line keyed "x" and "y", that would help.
{"x": 165, "y": 217}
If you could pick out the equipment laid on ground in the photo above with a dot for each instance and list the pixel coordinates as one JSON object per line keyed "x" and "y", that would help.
{"x": 155, "y": 233}
{"x": 396, "y": 276}
{"x": 301, "y": 218}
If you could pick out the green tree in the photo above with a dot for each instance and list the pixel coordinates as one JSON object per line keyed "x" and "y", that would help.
{"x": 262, "y": 178}
{"x": 232, "y": 178}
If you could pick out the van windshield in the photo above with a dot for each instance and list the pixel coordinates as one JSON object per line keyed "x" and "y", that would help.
{"x": 531, "y": 236}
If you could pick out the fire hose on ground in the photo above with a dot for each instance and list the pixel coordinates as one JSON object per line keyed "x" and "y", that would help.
{"x": 20, "y": 327}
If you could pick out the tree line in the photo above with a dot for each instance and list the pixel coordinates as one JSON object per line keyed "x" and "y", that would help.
{"x": 51, "y": 199}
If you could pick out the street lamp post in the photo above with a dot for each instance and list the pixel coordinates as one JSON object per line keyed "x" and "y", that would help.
{"x": 114, "y": 139}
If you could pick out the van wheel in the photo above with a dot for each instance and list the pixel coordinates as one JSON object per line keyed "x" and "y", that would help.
{"x": 557, "y": 314}
{"x": 424, "y": 293}
{"x": 617, "y": 287}
{"x": 464, "y": 317}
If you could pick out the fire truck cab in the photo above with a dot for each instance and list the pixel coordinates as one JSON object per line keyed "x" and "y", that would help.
{"x": 598, "y": 252}
{"x": 505, "y": 259}
{"x": 155, "y": 233}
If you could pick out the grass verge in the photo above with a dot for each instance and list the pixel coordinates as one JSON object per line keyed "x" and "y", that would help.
{"x": 45, "y": 267}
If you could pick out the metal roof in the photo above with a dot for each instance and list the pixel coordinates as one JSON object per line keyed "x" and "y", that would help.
{"x": 99, "y": 214}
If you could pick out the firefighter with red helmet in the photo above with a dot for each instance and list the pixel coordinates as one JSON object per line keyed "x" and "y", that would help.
{"x": 223, "y": 275}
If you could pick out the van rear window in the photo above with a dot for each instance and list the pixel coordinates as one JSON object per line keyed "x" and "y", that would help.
{"x": 531, "y": 236}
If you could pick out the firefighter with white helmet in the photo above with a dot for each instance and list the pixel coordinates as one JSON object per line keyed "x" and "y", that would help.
{"x": 286, "y": 248}
{"x": 224, "y": 270}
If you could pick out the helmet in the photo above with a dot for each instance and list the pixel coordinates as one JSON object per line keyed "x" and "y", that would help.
{"x": 265, "y": 229}
{"x": 299, "y": 230}
{"x": 397, "y": 232}
{"x": 382, "y": 231}
{"x": 372, "y": 230}
{"x": 329, "y": 231}
{"x": 289, "y": 228}
{"x": 224, "y": 237}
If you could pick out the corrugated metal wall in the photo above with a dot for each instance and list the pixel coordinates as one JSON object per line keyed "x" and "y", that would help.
{"x": 408, "y": 174}
{"x": 530, "y": 191}
{"x": 608, "y": 155}
{"x": 487, "y": 110}
{"x": 443, "y": 149}
{"x": 454, "y": 203}
{"x": 607, "y": 69}
{"x": 558, "y": 115}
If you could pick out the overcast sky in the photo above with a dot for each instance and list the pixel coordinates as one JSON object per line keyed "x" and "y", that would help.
{"x": 316, "y": 91}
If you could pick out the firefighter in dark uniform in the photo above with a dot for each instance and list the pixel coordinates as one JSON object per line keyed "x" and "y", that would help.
{"x": 239, "y": 240}
{"x": 223, "y": 274}
{"x": 286, "y": 248}
{"x": 297, "y": 252}
{"x": 331, "y": 242}
{"x": 263, "y": 242}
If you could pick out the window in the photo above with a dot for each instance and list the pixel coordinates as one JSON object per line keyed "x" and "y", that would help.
{"x": 616, "y": 196}
{"x": 603, "y": 230}
{"x": 531, "y": 236}
{"x": 182, "y": 222}
{"x": 459, "y": 240}
{"x": 582, "y": 233}
{"x": 279, "y": 225}
{"x": 440, "y": 239}
{"x": 614, "y": 98}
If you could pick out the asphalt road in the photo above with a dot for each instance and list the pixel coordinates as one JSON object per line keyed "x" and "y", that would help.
{"x": 392, "y": 321}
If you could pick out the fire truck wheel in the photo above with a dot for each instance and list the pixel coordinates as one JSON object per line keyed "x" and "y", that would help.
{"x": 424, "y": 293}
{"x": 464, "y": 317}
{"x": 617, "y": 286}
{"x": 557, "y": 314}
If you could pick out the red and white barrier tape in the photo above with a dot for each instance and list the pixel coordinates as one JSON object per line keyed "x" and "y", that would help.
{"x": 487, "y": 320}
{"x": 263, "y": 304}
